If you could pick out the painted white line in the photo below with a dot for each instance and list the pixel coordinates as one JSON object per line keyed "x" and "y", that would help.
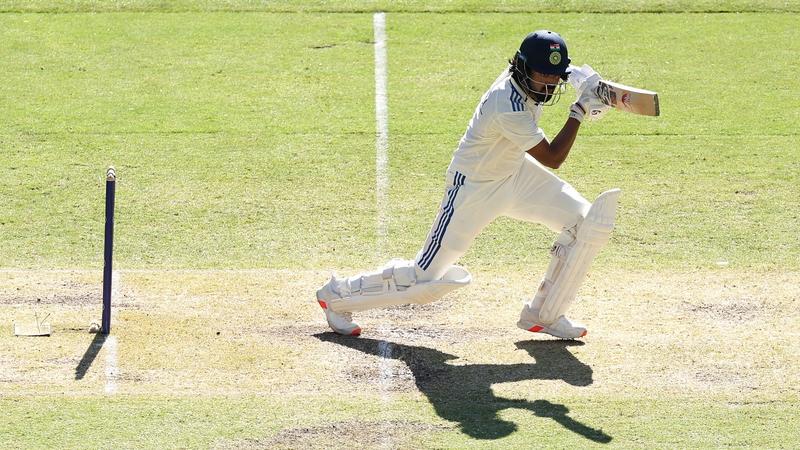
{"x": 382, "y": 197}
{"x": 110, "y": 344}
{"x": 382, "y": 131}
{"x": 386, "y": 373}
{"x": 112, "y": 373}
{"x": 115, "y": 280}
{"x": 385, "y": 380}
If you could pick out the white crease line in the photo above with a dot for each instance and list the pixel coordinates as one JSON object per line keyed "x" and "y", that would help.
{"x": 385, "y": 380}
{"x": 382, "y": 130}
{"x": 110, "y": 344}
{"x": 382, "y": 159}
{"x": 115, "y": 280}
{"x": 112, "y": 373}
{"x": 385, "y": 375}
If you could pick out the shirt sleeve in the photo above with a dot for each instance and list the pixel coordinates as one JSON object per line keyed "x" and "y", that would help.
{"x": 520, "y": 128}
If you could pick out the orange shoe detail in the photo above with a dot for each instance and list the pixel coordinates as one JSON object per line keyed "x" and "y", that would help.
{"x": 536, "y": 328}
{"x": 323, "y": 304}
{"x": 356, "y": 332}
{"x": 584, "y": 333}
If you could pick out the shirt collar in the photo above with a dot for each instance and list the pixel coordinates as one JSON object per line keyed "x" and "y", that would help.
{"x": 528, "y": 100}
{"x": 518, "y": 88}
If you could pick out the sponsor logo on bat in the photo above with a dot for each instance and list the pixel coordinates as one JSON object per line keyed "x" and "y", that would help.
{"x": 606, "y": 94}
{"x": 626, "y": 100}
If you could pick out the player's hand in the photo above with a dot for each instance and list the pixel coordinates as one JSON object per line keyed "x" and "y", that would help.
{"x": 587, "y": 104}
{"x": 590, "y": 104}
{"x": 583, "y": 77}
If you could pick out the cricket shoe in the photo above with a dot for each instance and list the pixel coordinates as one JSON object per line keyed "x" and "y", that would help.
{"x": 341, "y": 323}
{"x": 562, "y": 328}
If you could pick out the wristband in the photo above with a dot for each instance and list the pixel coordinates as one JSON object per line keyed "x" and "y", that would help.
{"x": 577, "y": 112}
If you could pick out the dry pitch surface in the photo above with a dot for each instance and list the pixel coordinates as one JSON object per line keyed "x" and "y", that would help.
{"x": 729, "y": 337}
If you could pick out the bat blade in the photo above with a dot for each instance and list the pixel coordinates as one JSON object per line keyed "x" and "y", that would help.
{"x": 627, "y": 98}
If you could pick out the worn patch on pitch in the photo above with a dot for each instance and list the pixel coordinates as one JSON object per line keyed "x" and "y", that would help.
{"x": 350, "y": 434}
{"x": 49, "y": 288}
{"x": 362, "y": 368}
{"x": 721, "y": 375}
{"x": 738, "y": 310}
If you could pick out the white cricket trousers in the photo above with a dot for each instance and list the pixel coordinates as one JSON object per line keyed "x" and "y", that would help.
{"x": 532, "y": 193}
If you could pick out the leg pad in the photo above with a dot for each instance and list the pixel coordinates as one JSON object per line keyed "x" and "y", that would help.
{"x": 571, "y": 260}
{"x": 394, "y": 284}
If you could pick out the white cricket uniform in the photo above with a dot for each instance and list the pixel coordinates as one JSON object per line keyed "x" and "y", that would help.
{"x": 491, "y": 175}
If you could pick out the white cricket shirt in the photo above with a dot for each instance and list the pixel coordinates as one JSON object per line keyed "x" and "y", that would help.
{"x": 503, "y": 127}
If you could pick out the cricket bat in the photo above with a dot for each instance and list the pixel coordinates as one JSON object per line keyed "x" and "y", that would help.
{"x": 616, "y": 95}
{"x": 627, "y": 98}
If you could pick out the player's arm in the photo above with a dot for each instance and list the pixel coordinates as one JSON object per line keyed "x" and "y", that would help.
{"x": 552, "y": 154}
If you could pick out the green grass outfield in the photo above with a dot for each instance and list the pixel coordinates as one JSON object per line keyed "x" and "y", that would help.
{"x": 233, "y": 132}
{"x": 243, "y": 134}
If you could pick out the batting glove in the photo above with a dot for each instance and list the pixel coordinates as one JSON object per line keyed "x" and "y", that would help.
{"x": 587, "y": 105}
{"x": 590, "y": 104}
{"x": 582, "y": 77}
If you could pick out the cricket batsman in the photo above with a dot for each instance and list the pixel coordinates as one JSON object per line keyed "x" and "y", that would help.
{"x": 501, "y": 168}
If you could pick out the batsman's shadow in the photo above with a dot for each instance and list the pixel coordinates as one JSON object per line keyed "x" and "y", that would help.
{"x": 463, "y": 393}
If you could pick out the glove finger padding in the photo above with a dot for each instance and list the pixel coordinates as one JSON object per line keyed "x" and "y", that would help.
{"x": 585, "y": 80}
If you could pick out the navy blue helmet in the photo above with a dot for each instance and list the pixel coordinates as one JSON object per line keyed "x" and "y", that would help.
{"x": 545, "y": 52}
